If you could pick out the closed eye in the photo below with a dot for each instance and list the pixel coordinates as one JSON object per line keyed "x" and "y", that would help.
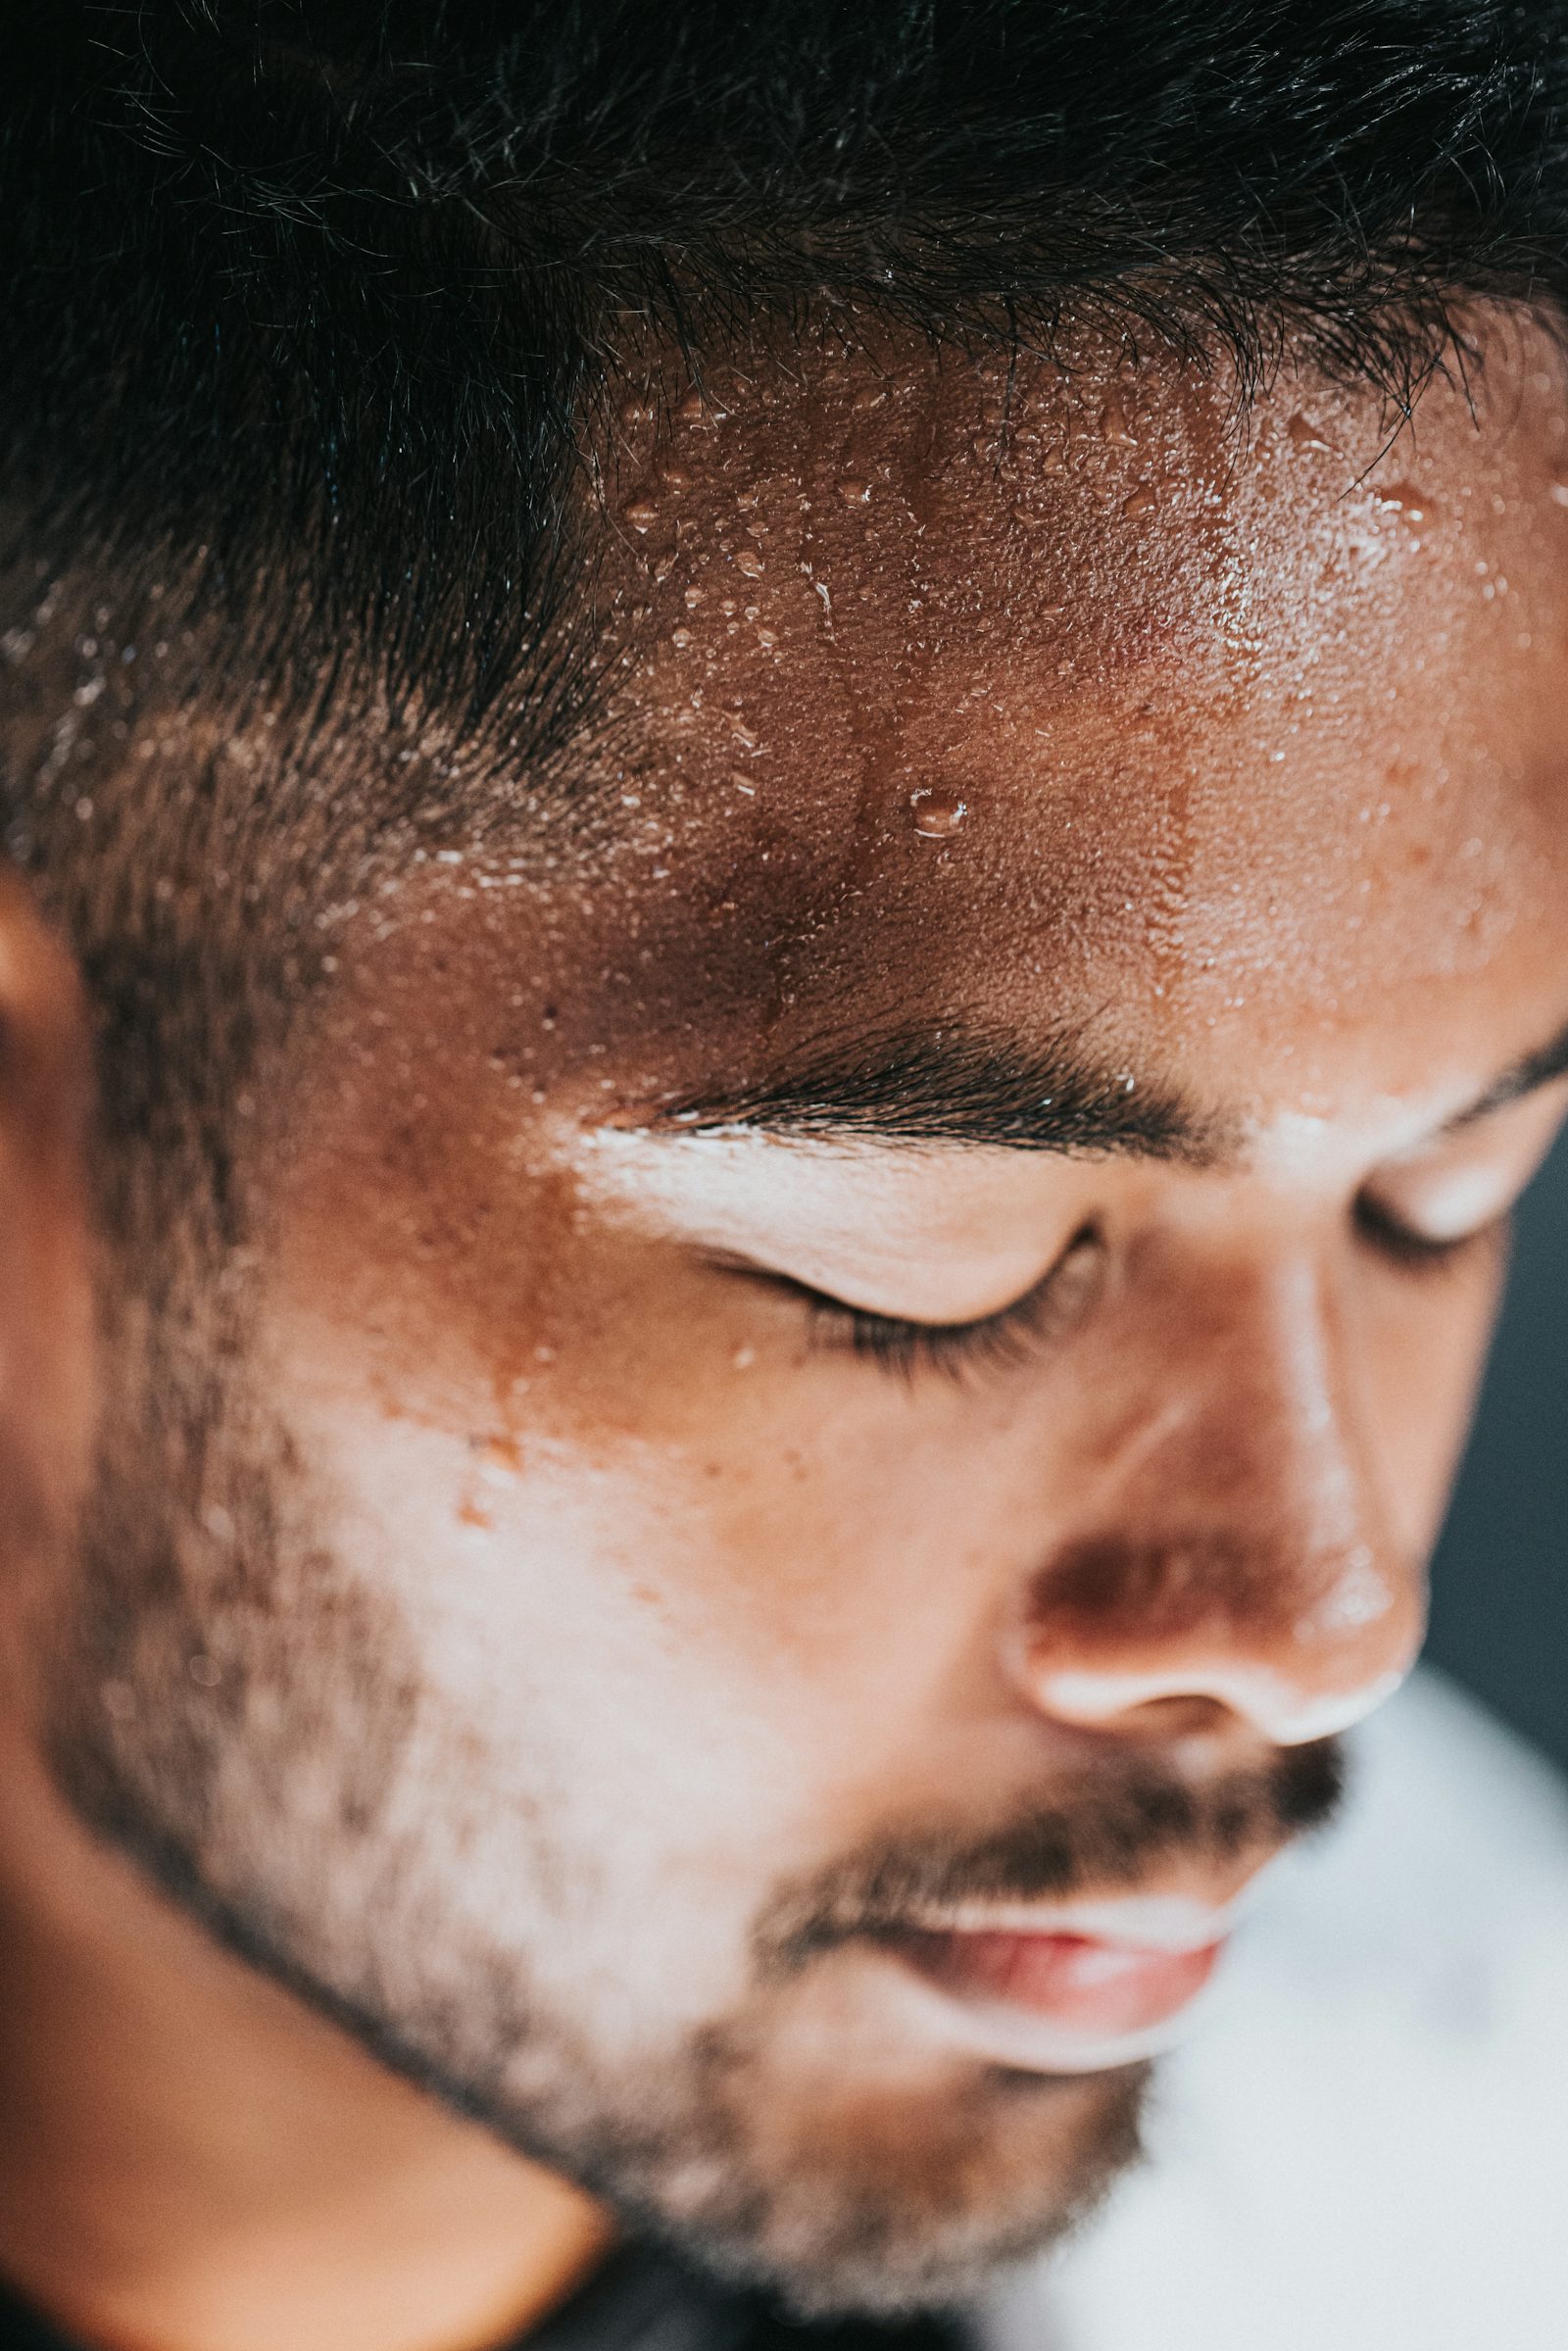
{"x": 1045, "y": 1312}
{"x": 1405, "y": 1244}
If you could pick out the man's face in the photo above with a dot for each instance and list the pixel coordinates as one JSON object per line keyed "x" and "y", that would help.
{"x": 857, "y": 1343}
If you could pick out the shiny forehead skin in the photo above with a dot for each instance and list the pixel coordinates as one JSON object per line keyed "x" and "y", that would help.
{"x": 1163, "y": 705}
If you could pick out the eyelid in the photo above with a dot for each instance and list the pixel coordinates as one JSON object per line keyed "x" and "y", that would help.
{"x": 906, "y": 1345}
{"x": 1419, "y": 1252}
{"x": 1501, "y": 1151}
{"x": 1463, "y": 1184}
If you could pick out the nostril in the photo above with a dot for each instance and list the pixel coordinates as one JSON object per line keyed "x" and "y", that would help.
{"x": 1138, "y": 1709}
{"x": 1173, "y": 1636}
{"x": 1153, "y": 1706}
{"x": 1287, "y": 1708}
{"x": 1163, "y": 1719}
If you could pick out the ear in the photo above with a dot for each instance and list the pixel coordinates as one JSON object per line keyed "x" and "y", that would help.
{"x": 47, "y": 1342}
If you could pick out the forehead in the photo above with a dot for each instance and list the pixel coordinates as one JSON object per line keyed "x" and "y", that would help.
{"x": 945, "y": 687}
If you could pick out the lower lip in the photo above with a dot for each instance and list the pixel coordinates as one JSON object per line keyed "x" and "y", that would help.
{"x": 1063, "y": 2002}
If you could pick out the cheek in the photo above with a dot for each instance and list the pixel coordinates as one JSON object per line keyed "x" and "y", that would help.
{"x": 604, "y": 1788}
{"x": 725, "y": 1587}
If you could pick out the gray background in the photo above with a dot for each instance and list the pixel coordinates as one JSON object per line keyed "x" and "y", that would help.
{"x": 1499, "y": 1620}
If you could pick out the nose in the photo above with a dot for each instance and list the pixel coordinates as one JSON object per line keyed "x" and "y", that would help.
{"x": 1233, "y": 1565}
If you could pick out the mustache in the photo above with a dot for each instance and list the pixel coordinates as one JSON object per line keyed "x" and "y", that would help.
{"x": 1106, "y": 1837}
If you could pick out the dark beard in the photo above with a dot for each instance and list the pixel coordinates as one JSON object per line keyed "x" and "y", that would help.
{"x": 1110, "y": 1834}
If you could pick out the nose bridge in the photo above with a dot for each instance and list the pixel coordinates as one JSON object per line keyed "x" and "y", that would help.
{"x": 1264, "y": 1416}
{"x": 1237, "y": 1549}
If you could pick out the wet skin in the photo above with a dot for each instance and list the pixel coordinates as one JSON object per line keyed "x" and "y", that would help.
{"x": 684, "y": 1562}
{"x": 1261, "y": 798}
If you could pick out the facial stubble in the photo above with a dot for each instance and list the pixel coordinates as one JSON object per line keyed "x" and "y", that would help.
{"x": 232, "y": 1706}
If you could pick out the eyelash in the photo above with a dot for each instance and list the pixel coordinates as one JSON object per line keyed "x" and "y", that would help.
{"x": 1006, "y": 1336}
{"x": 1416, "y": 1252}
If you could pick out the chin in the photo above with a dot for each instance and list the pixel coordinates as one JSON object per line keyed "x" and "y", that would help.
{"x": 889, "y": 2208}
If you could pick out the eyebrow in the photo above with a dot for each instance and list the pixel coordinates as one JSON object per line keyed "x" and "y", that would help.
{"x": 1527, "y": 1075}
{"x": 963, "y": 1086}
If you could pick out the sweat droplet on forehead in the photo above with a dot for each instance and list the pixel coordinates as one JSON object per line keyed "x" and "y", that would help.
{"x": 938, "y": 813}
{"x": 1175, "y": 688}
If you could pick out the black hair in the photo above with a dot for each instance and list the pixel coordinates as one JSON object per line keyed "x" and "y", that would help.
{"x": 312, "y": 308}
{"x": 310, "y": 300}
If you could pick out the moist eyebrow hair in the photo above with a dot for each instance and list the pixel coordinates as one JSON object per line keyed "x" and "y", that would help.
{"x": 965, "y": 1086}
{"x": 1525, "y": 1076}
